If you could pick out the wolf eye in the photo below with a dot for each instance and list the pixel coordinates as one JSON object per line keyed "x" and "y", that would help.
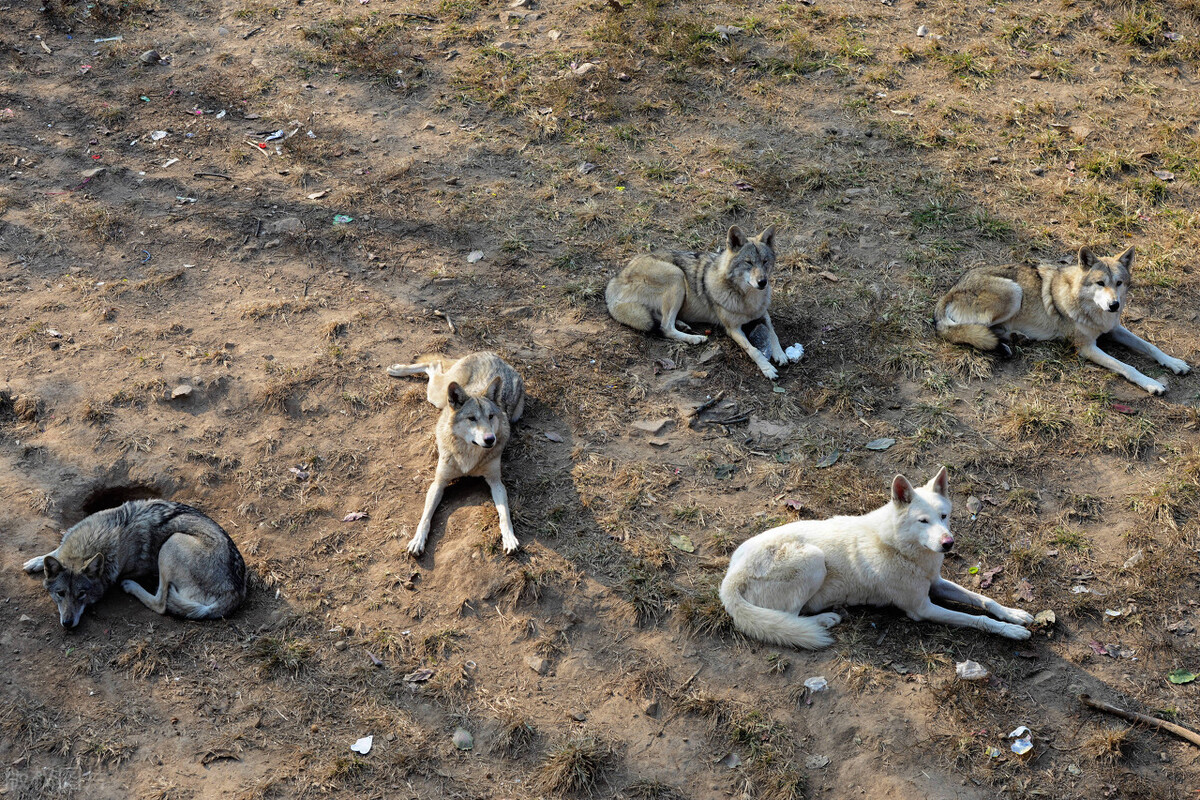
{"x": 59, "y": 594}
{"x": 1099, "y": 283}
{"x": 923, "y": 520}
{"x": 1120, "y": 282}
{"x": 943, "y": 516}
{"x": 491, "y": 416}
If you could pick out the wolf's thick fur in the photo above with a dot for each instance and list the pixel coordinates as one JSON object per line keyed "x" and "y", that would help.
{"x": 480, "y": 396}
{"x": 200, "y": 572}
{"x": 1078, "y": 302}
{"x": 729, "y": 288}
{"x": 891, "y": 556}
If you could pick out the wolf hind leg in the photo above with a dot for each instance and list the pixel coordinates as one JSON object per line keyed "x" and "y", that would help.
{"x": 975, "y": 319}
{"x": 155, "y": 602}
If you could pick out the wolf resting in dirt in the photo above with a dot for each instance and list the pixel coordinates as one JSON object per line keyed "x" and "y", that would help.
{"x": 729, "y": 288}
{"x": 200, "y": 572}
{"x": 1077, "y": 302}
{"x": 891, "y": 556}
{"x": 480, "y": 396}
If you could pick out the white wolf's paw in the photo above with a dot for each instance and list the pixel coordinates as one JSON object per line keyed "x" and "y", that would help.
{"x": 1177, "y": 365}
{"x": 397, "y": 370}
{"x": 510, "y": 544}
{"x": 34, "y": 565}
{"x": 1017, "y": 616}
{"x": 1155, "y": 388}
{"x": 692, "y": 338}
{"x": 416, "y": 547}
{"x": 769, "y": 370}
{"x": 827, "y": 620}
{"x": 1015, "y": 632}
{"x": 130, "y": 587}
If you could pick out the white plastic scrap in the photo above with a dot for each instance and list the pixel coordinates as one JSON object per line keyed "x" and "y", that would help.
{"x": 795, "y": 352}
{"x": 971, "y": 671}
{"x": 817, "y": 684}
{"x": 363, "y": 745}
{"x": 157, "y": 135}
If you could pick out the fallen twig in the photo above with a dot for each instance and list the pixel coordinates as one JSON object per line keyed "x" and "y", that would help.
{"x": 211, "y": 175}
{"x": 1133, "y": 716}
{"x": 694, "y": 416}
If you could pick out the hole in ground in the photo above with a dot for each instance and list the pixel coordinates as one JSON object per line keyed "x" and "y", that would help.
{"x": 113, "y": 496}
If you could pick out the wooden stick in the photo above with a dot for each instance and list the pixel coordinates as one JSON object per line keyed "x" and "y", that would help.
{"x": 1133, "y": 716}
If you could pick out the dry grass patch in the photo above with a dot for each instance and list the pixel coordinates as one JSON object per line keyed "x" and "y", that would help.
{"x": 575, "y": 766}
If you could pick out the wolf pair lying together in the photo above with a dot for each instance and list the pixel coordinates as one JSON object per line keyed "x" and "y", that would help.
{"x": 892, "y": 556}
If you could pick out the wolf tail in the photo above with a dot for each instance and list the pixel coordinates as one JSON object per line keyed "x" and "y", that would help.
{"x": 952, "y": 330}
{"x": 768, "y": 624}
{"x": 429, "y": 365}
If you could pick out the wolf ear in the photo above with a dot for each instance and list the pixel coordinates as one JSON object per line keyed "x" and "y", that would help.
{"x": 1086, "y": 257}
{"x": 493, "y": 390}
{"x": 767, "y": 237}
{"x": 902, "y": 491}
{"x": 1126, "y": 259}
{"x": 52, "y": 566}
{"x": 457, "y": 395}
{"x": 940, "y": 483}
{"x": 737, "y": 239}
{"x": 94, "y": 567}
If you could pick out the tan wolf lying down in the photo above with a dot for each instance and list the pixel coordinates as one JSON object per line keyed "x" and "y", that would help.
{"x": 891, "y": 556}
{"x": 198, "y": 569}
{"x": 480, "y": 395}
{"x": 729, "y": 288}
{"x": 1077, "y": 302}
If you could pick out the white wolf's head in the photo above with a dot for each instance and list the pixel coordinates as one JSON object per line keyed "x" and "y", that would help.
{"x": 924, "y": 513}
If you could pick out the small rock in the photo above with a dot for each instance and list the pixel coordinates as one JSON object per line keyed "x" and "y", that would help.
{"x": 340, "y": 644}
{"x": 554, "y": 35}
{"x": 994, "y": 160}
{"x": 181, "y": 391}
{"x": 1036, "y": 75}
{"x": 94, "y": 172}
{"x": 817, "y": 762}
{"x": 474, "y": 256}
{"x": 578, "y": 716}
{"x": 586, "y": 168}
{"x": 650, "y": 709}
{"x": 26, "y": 618}
{"x": 428, "y": 126}
{"x": 652, "y": 426}
{"x": 506, "y": 45}
{"x": 538, "y": 664}
{"x": 971, "y": 671}
{"x": 463, "y": 739}
{"x": 285, "y": 225}
{"x": 452, "y": 181}
{"x": 521, "y": 4}
{"x": 658, "y": 442}
{"x": 922, "y": 31}
{"x": 150, "y": 57}
{"x": 1038, "y": 170}
{"x": 583, "y": 69}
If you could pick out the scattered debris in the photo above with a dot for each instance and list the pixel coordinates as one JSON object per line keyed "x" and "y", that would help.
{"x": 363, "y": 745}
{"x": 538, "y": 664}
{"x": 730, "y": 760}
{"x": 474, "y": 256}
{"x": 1181, "y": 676}
{"x": 971, "y": 671}
{"x": 653, "y": 426}
{"x": 880, "y": 444}
{"x": 354, "y": 515}
{"x": 725, "y": 31}
{"x": 150, "y": 57}
{"x": 554, "y": 437}
{"x": 1024, "y": 591}
{"x": 418, "y": 676}
{"x": 681, "y": 542}
{"x": 816, "y": 684}
{"x": 463, "y": 739}
{"x": 342, "y": 219}
{"x": 795, "y": 352}
{"x": 922, "y": 31}
{"x": 829, "y": 460}
{"x": 1133, "y": 716}
{"x": 817, "y": 762}
{"x": 181, "y": 391}
{"x": 974, "y": 506}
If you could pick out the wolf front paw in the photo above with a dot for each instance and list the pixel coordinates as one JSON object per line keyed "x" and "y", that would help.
{"x": 1016, "y": 616}
{"x": 769, "y": 370}
{"x": 34, "y": 565}
{"x": 510, "y": 545}
{"x": 1177, "y": 365}
{"x": 827, "y": 620}
{"x": 1014, "y": 632}
{"x": 416, "y": 546}
{"x": 130, "y": 587}
{"x": 692, "y": 338}
{"x": 1155, "y": 388}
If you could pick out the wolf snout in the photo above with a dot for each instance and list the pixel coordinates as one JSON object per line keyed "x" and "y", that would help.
{"x": 947, "y": 543}
{"x": 762, "y": 283}
{"x": 488, "y": 440}
{"x": 1115, "y": 305}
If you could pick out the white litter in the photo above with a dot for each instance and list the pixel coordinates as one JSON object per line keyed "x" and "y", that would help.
{"x": 363, "y": 745}
{"x": 157, "y": 135}
{"x": 971, "y": 671}
{"x": 817, "y": 684}
{"x": 795, "y": 352}
{"x": 1020, "y": 733}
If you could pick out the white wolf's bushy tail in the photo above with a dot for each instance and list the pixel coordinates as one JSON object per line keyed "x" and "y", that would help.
{"x": 425, "y": 365}
{"x": 768, "y": 624}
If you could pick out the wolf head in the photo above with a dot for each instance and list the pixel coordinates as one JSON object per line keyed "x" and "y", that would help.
{"x": 74, "y": 590}
{"x": 478, "y": 420}
{"x": 751, "y": 259}
{"x": 1105, "y": 280}
{"x": 924, "y": 513}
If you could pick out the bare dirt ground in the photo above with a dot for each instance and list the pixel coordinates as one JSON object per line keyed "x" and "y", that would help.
{"x": 890, "y": 162}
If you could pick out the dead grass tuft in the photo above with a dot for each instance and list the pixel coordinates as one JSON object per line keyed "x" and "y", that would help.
{"x": 575, "y": 766}
{"x": 1107, "y": 745}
